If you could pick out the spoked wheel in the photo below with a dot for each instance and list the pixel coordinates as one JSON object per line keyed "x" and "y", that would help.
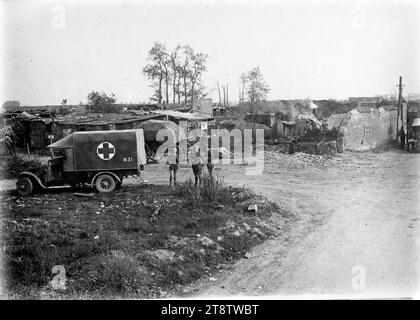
{"x": 24, "y": 186}
{"x": 105, "y": 183}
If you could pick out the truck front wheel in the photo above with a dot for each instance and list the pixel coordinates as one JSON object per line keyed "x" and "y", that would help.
{"x": 24, "y": 186}
{"x": 105, "y": 183}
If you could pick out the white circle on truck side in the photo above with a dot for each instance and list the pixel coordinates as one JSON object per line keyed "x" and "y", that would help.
{"x": 105, "y": 151}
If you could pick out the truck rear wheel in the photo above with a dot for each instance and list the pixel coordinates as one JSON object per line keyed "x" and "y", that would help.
{"x": 24, "y": 186}
{"x": 105, "y": 183}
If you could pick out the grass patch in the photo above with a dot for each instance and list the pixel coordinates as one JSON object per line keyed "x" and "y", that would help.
{"x": 211, "y": 193}
{"x": 110, "y": 246}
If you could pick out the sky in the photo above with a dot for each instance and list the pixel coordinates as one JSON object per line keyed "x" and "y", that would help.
{"x": 55, "y": 50}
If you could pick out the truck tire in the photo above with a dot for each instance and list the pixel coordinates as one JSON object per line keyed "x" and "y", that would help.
{"x": 24, "y": 186}
{"x": 105, "y": 183}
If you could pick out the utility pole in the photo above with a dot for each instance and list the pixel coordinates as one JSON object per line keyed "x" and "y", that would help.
{"x": 399, "y": 104}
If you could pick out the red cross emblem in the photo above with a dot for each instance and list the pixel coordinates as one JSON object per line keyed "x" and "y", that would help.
{"x": 105, "y": 151}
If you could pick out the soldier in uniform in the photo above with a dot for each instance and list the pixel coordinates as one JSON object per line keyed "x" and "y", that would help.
{"x": 173, "y": 168}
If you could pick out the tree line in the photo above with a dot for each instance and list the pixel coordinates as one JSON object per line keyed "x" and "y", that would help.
{"x": 176, "y": 77}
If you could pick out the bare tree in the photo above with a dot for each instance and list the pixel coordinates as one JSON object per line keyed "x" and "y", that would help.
{"x": 224, "y": 95}
{"x": 227, "y": 95}
{"x": 220, "y": 97}
{"x": 178, "y": 83}
{"x": 243, "y": 81}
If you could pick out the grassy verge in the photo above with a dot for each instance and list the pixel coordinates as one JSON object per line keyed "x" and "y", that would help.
{"x": 139, "y": 242}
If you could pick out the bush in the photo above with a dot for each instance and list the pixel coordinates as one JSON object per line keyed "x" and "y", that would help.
{"x": 209, "y": 193}
{"x": 16, "y": 165}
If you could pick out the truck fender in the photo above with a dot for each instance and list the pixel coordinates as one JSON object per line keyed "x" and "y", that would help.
{"x": 105, "y": 172}
{"x": 32, "y": 177}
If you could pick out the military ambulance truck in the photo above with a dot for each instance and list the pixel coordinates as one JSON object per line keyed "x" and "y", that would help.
{"x": 101, "y": 159}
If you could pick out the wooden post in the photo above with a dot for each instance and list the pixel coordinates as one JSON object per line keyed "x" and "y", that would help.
{"x": 399, "y": 104}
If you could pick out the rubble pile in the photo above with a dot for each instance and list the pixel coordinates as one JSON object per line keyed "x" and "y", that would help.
{"x": 298, "y": 160}
{"x": 319, "y": 148}
{"x": 324, "y": 148}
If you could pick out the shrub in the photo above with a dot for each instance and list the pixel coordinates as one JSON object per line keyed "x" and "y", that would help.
{"x": 206, "y": 195}
{"x": 16, "y": 165}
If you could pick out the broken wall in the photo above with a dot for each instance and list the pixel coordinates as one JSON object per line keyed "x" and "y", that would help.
{"x": 366, "y": 130}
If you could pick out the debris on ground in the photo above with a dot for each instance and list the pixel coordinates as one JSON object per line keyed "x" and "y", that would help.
{"x": 103, "y": 239}
{"x": 154, "y": 215}
{"x": 253, "y": 207}
{"x": 298, "y": 160}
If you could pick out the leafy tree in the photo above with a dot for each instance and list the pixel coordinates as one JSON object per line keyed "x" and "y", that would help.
{"x": 256, "y": 89}
{"x": 181, "y": 68}
{"x": 158, "y": 70}
{"x": 11, "y": 104}
{"x": 102, "y": 103}
{"x": 175, "y": 72}
{"x": 198, "y": 67}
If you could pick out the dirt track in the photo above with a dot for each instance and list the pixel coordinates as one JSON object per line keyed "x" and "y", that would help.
{"x": 359, "y": 218}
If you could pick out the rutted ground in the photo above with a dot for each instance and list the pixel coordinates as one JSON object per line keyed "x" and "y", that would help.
{"x": 357, "y": 209}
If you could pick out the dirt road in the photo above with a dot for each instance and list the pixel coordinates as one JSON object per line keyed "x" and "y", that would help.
{"x": 357, "y": 233}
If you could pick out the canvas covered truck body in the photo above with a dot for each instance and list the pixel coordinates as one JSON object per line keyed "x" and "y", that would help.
{"x": 100, "y": 158}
